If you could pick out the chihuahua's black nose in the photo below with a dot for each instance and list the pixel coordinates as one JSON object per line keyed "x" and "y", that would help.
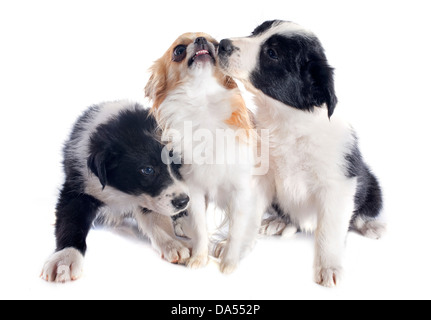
{"x": 181, "y": 202}
{"x": 201, "y": 41}
{"x": 226, "y": 47}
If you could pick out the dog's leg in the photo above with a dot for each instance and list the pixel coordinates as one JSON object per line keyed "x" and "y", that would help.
{"x": 198, "y": 229}
{"x": 336, "y": 209}
{"x": 245, "y": 219}
{"x": 160, "y": 230}
{"x": 247, "y": 209}
{"x": 75, "y": 214}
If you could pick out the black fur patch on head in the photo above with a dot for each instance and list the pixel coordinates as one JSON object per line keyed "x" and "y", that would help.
{"x": 126, "y": 154}
{"x": 264, "y": 27}
{"x": 293, "y": 69}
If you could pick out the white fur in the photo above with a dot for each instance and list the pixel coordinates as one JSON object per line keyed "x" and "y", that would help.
{"x": 307, "y": 157}
{"x": 202, "y": 102}
{"x": 307, "y": 163}
{"x": 63, "y": 266}
{"x": 66, "y": 265}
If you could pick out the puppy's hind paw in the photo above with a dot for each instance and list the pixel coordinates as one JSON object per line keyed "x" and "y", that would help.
{"x": 277, "y": 226}
{"x": 373, "y": 229}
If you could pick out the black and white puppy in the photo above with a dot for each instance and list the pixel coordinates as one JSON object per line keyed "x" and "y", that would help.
{"x": 114, "y": 168}
{"x": 318, "y": 179}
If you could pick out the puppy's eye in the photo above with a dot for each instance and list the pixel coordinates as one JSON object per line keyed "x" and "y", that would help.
{"x": 179, "y": 50}
{"x": 148, "y": 171}
{"x": 179, "y": 53}
{"x": 272, "y": 54}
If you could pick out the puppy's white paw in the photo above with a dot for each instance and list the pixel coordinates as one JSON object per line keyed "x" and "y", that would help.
{"x": 273, "y": 226}
{"x": 63, "y": 266}
{"x": 370, "y": 228}
{"x": 373, "y": 229}
{"x": 175, "y": 252}
{"x": 198, "y": 261}
{"x": 227, "y": 264}
{"x": 228, "y": 267}
{"x": 276, "y": 226}
{"x": 328, "y": 277}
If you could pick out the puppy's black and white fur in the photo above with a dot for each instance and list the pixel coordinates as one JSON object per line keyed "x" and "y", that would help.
{"x": 114, "y": 168}
{"x": 318, "y": 181}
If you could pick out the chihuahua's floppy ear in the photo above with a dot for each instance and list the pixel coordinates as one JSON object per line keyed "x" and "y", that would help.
{"x": 156, "y": 88}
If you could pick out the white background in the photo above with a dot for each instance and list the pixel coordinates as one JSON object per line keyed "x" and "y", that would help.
{"x": 58, "y": 57}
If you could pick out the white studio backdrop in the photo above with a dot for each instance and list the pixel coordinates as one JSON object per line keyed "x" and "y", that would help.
{"x": 59, "y": 57}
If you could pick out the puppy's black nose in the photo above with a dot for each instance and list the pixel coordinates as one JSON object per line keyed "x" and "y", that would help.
{"x": 181, "y": 202}
{"x": 226, "y": 47}
{"x": 201, "y": 41}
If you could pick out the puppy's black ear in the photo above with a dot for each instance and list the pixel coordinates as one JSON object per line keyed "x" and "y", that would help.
{"x": 321, "y": 82}
{"x": 97, "y": 164}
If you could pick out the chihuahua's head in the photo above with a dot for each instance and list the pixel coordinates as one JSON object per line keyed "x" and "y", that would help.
{"x": 191, "y": 56}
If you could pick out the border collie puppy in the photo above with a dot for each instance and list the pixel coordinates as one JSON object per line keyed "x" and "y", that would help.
{"x": 114, "y": 168}
{"x": 194, "y": 103}
{"x": 318, "y": 179}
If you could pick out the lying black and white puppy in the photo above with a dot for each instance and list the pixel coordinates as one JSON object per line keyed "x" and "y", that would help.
{"x": 318, "y": 179}
{"x": 114, "y": 168}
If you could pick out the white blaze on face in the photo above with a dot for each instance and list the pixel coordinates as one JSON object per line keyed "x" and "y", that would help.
{"x": 246, "y": 54}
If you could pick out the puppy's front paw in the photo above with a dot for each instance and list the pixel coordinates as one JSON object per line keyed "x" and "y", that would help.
{"x": 227, "y": 266}
{"x": 175, "y": 252}
{"x": 198, "y": 261}
{"x": 63, "y": 266}
{"x": 328, "y": 277}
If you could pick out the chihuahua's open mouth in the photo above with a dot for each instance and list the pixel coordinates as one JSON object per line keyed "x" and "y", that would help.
{"x": 203, "y": 56}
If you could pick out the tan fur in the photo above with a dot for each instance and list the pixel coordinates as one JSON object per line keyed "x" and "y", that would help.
{"x": 167, "y": 74}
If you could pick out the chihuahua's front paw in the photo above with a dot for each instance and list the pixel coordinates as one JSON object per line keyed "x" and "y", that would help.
{"x": 198, "y": 261}
{"x": 328, "y": 277}
{"x": 228, "y": 266}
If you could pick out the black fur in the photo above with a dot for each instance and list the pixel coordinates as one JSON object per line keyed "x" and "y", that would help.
{"x": 121, "y": 147}
{"x": 75, "y": 213}
{"x": 118, "y": 149}
{"x": 293, "y": 69}
{"x": 368, "y": 198}
{"x": 265, "y": 27}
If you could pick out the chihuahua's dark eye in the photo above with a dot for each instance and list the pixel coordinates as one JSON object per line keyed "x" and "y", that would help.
{"x": 179, "y": 50}
{"x": 148, "y": 171}
{"x": 179, "y": 53}
{"x": 272, "y": 54}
